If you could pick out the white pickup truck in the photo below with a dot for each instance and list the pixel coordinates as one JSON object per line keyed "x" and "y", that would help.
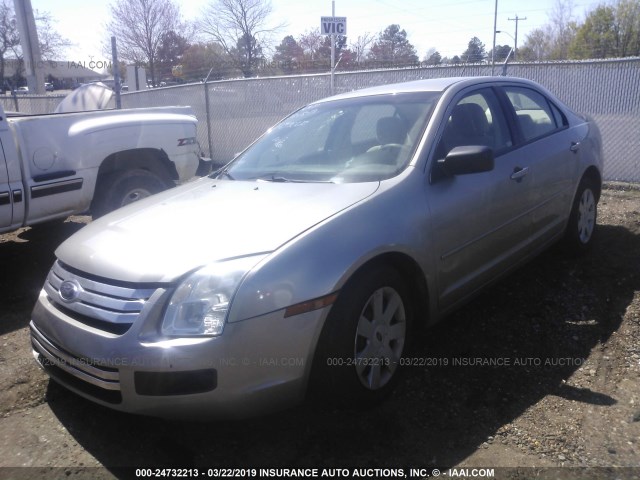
{"x": 56, "y": 165}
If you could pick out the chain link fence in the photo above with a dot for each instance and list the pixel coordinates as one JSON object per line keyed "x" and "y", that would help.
{"x": 233, "y": 113}
{"x": 30, "y": 104}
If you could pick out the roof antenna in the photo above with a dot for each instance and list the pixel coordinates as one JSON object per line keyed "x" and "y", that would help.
{"x": 506, "y": 61}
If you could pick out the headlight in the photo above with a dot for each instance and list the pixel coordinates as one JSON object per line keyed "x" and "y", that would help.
{"x": 200, "y": 304}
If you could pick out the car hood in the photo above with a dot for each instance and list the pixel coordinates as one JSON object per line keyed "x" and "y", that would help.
{"x": 163, "y": 237}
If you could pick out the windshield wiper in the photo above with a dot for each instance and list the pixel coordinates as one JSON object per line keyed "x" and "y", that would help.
{"x": 222, "y": 173}
{"x": 272, "y": 177}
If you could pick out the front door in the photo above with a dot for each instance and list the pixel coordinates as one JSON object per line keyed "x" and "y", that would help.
{"x": 480, "y": 221}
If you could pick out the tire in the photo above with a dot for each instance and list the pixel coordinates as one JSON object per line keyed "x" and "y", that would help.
{"x": 358, "y": 357}
{"x": 123, "y": 188}
{"x": 581, "y": 227}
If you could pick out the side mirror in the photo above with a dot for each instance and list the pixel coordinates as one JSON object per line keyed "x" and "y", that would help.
{"x": 467, "y": 159}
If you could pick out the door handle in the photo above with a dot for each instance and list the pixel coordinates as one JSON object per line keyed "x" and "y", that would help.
{"x": 575, "y": 146}
{"x": 519, "y": 173}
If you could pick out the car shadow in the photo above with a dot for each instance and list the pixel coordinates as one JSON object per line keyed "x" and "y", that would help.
{"x": 26, "y": 259}
{"x": 477, "y": 371}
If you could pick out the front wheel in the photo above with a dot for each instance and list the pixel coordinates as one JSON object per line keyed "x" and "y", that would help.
{"x": 360, "y": 348}
{"x": 582, "y": 220}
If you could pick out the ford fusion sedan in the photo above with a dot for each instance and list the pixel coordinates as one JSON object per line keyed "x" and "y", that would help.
{"x": 310, "y": 262}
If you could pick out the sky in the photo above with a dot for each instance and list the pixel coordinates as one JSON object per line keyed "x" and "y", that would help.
{"x": 446, "y": 25}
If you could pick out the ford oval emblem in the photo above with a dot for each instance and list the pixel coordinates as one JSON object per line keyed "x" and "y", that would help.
{"x": 69, "y": 290}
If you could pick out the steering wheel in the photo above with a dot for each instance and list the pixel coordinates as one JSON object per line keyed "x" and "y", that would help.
{"x": 387, "y": 153}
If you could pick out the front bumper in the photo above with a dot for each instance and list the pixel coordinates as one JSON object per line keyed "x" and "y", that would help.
{"x": 256, "y": 366}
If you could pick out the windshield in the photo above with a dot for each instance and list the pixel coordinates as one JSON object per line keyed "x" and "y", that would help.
{"x": 354, "y": 140}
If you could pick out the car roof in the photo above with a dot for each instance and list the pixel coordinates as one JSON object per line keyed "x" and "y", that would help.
{"x": 429, "y": 85}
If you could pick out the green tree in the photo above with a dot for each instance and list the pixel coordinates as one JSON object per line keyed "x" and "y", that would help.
{"x": 393, "y": 48}
{"x": 455, "y": 60}
{"x": 324, "y": 52}
{"x": 170, "y": 52}
{"x": 595, "y": 38}
{"x": 501, "y": 53}
{"x": 248, "y": 54}
{"x": 628, "y": 24}
{"x": 289, "y": 55}
{"x": 475, "y": 51}
{"x": 433, "y": 57}
{"x": 201, "y": 58}
{"x": 609, "y": 31}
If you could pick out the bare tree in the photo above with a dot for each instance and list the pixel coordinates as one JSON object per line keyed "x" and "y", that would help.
{"x": 553, "y": 40}
{"x": 9, "y": 38}
{"x": 360, "y": 47}
{"x": 311, "y": 42}
{"x": 562, "y": 29}
{"x": 139, "y": 27}
{"x": 241, "y": 27}
{"x": 52, "y": 44}
{"x": 536, "y": 46}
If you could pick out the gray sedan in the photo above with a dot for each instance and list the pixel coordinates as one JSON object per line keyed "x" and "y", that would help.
{"x": 311, "y": 261}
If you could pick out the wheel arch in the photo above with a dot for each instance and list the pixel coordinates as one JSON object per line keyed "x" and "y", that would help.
{"x": 593, "y": 174}
{"x": 414, "y": 277}
{"x": 152, "y": 160}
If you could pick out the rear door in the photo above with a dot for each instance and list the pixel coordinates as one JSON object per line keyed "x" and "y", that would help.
{"x": 550, "y": 150}
{"x": 6, "y": 207}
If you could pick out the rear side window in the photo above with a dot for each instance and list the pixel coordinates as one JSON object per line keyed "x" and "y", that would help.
{"x": 561, "y": 120}
{"x": 535, "y": 115}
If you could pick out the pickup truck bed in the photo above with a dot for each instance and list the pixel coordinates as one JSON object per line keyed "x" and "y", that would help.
{"x": 55, "y": 165}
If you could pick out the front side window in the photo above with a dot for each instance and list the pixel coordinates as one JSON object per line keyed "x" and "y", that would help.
{"x": 533, "y": 113}
{"x": 476, "y": 119}
{"x": 353, "y": 140}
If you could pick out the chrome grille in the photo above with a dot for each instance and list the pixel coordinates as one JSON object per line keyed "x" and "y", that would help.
{"x": 106, "y": 306}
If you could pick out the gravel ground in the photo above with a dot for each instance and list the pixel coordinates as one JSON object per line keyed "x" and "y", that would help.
{"x": 540, "y": 371}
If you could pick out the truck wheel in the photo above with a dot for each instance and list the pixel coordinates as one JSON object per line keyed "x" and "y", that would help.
{"x": 123, "y": 188}
{"x": 359, "y": 351}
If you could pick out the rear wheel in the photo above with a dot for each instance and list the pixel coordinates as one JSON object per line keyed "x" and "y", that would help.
{"x": 123, "y": 188}
{"x": 582, "y": 221}
{"x": 359, "y": 352}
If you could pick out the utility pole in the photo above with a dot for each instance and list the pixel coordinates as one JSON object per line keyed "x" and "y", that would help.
{"x": 495, "y": 26}
{"x": 30, "y": 46}
{"x": 333, "y": 50}
{"x": 515, "y": 47}
{"x": 116, "y": 72}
